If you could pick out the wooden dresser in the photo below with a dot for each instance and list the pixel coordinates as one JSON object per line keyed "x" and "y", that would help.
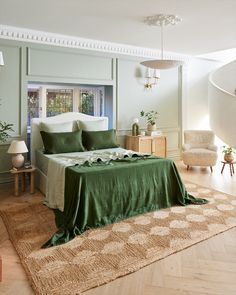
{"x": 155, "y": 145}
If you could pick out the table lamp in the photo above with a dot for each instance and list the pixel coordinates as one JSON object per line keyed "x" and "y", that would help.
{"x": 17, "y": 148}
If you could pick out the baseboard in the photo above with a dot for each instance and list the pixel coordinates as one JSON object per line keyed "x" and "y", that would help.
{"x": 174, "y": 155}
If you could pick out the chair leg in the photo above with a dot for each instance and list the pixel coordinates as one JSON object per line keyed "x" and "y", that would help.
{"x": 187, "y": 167}
{"x": 211, "y": 169}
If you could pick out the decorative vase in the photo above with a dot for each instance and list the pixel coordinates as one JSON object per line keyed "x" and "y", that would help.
{"x": 229, "y": 157}
{"x": 135, "y": 129}
{"x": 151, "y": 127}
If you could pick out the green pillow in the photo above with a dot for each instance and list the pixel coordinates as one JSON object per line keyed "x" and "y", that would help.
{"x": 62, "y": 142}
{"x": 95, "y": 140}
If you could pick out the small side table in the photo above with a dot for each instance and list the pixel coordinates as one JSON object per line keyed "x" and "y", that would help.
{"x": 20, "y": 173}
{"x": 231, "y": 167}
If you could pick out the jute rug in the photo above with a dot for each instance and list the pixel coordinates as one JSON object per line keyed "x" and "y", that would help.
{"x": 101, "y": 255}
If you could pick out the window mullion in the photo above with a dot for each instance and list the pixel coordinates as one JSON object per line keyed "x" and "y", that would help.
{"x": 43, "y": 101}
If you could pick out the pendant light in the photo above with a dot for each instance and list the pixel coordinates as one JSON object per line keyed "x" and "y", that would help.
{"x": 162, "y": 20}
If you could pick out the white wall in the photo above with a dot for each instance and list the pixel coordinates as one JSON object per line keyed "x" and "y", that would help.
{"x": 195, "y": 112}
{"x": 222, "y": 103}
{"x": 222, "y": 109}
{"x": 133, "y": 97}
{"x": 164, "y": 98}
{"x": 225, "y": 77}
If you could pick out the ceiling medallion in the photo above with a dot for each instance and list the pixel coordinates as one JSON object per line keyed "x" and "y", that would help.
{"x": 162, "y": 20}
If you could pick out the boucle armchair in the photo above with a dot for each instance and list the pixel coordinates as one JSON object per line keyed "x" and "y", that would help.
{"x": 199, "y": 148}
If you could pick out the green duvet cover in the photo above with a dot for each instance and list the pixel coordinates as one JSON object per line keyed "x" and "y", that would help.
{"x": 103, "y": 193}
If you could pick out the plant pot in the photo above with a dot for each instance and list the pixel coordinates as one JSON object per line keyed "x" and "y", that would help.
{"x": 229, "y": 157}
{"x": 151, "y": 127}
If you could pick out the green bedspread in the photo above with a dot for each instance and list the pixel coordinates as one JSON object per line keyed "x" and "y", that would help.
{"x": 105, "y": 193}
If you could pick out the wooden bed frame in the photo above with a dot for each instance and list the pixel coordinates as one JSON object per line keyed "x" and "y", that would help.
{"x": 36, "y": 140}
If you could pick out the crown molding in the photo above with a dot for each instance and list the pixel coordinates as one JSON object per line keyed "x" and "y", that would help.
{"x": 47, "y": 38}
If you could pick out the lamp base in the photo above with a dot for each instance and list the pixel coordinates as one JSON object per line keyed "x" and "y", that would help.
{"x": 18, "y": 161}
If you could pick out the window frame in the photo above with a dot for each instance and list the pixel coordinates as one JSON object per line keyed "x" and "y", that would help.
{"x": 43, "y": 88}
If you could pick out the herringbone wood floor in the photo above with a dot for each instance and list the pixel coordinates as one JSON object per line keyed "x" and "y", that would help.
{"x": 205, "y": 268}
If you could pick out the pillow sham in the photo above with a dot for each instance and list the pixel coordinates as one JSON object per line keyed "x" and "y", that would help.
{"x": 93, "y": 125}
{"x": 56, "y": 127}
{"x": 62, "y": 142}
{"x": 95, "y": 140}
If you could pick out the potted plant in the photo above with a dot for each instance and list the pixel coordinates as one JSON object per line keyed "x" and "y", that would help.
{"x": 151, "y": 117}
{"x": 228, "y": 153}
{"x": 4, "y": 129}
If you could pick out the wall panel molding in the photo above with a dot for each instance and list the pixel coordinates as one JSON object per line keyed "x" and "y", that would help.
{"x": 48, "y": 63}
{"x": 6, "y": 177}
{"x": 11, "y": 87}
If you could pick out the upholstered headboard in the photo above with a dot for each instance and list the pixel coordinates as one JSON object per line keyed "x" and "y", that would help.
{"x": 36, "y": 140}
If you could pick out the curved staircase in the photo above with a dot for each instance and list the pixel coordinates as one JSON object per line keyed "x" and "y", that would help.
{"x": 222, "y": 103}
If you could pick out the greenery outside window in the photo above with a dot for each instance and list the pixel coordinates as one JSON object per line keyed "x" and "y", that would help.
{"x": 51, "y": 100}
{"x": 92, "y": 102}
{"x": 59, "y": 101}
{"x": 33, "y": 104}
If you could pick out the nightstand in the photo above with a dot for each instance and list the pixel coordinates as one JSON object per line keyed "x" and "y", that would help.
{"x": 21, "y": 173}
{"x": 155, "y": 145}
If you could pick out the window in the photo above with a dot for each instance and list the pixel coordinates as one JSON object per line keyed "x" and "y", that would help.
{"x": 33, "y": 104}
{"x": 51, "y": 100}
{"x": 59, "y": 101}
{"x": 92, "y": 101}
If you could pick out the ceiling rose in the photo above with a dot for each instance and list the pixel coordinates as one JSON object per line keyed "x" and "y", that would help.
{"x": 162, "y": 20}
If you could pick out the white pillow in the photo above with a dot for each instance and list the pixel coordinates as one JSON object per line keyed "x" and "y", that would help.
{"x": 93, "y": 125}
{"x": 56, "y": 127}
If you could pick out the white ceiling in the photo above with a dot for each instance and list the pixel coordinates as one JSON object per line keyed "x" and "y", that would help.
{"x": 207, "y": 25}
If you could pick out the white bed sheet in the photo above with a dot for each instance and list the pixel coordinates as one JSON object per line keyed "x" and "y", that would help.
{"x": 43, "y": 159}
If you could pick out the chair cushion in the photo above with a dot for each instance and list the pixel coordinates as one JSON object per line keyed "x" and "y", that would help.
{"x": 199, "y": 157}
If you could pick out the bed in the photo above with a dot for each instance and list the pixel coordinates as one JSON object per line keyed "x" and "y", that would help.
{"x": 37, "y": 143}
{"x": 103, "y": 185}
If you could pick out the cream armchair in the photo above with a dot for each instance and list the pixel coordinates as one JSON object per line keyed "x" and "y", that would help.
{"x": 199, "y": 148}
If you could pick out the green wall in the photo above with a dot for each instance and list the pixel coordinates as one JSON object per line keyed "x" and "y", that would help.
{"x": 165, "y": 98}
{"x": 123, "y": 76}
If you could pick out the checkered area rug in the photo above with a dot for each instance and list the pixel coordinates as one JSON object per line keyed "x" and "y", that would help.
{"x": 102, "y": 255}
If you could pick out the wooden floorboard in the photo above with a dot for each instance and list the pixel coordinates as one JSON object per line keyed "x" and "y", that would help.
{"x": 206, "y": 268}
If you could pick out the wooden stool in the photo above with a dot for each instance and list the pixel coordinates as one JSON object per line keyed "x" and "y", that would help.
{"x": 231, "y": 167}
{"x": 21, "y": 172}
